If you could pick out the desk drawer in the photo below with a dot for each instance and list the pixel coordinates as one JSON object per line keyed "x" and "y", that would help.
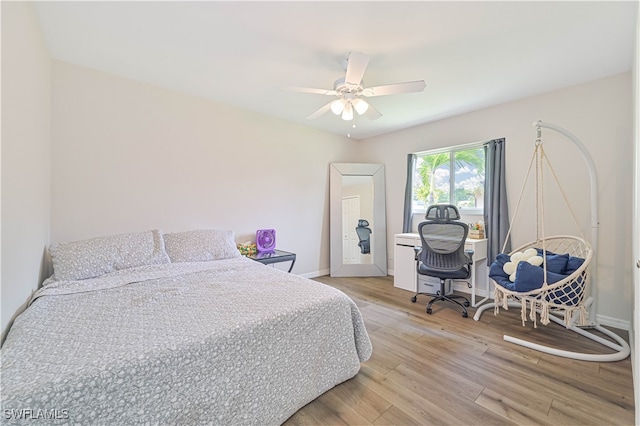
{"x": 431, "y": 285}
{"x": 408, "y": 241}
{"x": 479, "y": 249}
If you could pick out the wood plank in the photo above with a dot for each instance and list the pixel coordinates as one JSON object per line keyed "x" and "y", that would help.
{"x": 567, "y": 411}
{"x": 452, "y": 397}
{"x": 359, "y": 398}
{"x": 413, "y": 404}
{"x": 509, "y": 409}
{"x": 396, "y": 417}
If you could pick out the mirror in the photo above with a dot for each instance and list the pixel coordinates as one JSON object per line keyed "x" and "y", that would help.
{"x": 357, "y": 220}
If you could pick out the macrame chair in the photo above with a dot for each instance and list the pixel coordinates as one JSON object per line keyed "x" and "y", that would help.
{"x": 565, "y": 301}
{"x": 565, "y": 297}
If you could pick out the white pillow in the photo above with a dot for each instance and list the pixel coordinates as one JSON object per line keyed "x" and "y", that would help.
{"x": 201, "y": 245}
{"x": 78, "y": 260}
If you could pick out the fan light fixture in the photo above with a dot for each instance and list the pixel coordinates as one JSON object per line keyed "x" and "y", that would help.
{"x": 347, "y": 114}
{"x": 337, "y": 106}
{"x": 360, "y": 105}
{"x": 346, "y": 107}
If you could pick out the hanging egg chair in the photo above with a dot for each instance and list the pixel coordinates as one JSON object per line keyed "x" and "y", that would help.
{"x": 549, "y": 276}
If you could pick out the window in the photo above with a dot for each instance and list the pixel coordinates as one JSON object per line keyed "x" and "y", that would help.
{"x": 434, "y": 183}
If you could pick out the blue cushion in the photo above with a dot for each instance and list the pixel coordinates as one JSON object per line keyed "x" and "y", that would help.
{"x": 573, "y": 264}
{"x": 557, "y": 263}
{"x": 530, "y": 277}
{"x": 501, "y": 259}
{"x": 548, "y": 252}
{"x": 497, "y": 274}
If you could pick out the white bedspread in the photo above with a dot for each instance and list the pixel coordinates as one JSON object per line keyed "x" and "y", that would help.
{"x": 225, "y": 342}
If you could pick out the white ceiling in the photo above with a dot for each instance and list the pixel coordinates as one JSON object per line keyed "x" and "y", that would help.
{"x": 471, "y": 54}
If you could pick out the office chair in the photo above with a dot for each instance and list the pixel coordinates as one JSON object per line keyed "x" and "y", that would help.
{"x": 442, "y": 254}
{"x": 364, "y": 235}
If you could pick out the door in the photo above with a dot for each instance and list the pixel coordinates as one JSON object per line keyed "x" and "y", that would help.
{"x": 350, "y": 216}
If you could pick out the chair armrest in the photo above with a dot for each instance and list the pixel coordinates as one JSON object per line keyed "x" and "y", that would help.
{"x": 469, "y": 254}
{"x": 417, "y": 251}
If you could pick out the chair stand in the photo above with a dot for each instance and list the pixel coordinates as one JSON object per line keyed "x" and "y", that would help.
{"x": 442, "y": 296}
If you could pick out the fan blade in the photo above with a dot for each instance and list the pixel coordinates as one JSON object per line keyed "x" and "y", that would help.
{"x": 310, "y": 90}
{"x": 319, "y": 112}
{"x": 371, "y": 113}
{"x": 356, "y": 65}
{"x": 392, "y": 89}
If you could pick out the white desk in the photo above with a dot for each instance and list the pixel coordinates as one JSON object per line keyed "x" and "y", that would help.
{"x": 406, "y": 277}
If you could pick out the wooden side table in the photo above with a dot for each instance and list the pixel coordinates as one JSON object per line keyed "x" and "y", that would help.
{"x": 275, "y": 256}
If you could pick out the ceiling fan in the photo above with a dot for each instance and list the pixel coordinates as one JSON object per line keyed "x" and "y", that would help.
{"x": 350, "y": 89}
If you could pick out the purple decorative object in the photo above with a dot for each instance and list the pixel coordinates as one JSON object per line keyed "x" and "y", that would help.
{"x": 266, "y": 239}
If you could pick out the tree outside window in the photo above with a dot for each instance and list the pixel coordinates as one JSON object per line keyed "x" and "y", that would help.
{"x": 434, "y": 183}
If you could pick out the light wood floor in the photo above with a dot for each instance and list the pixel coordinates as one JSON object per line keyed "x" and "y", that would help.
{"x": 444, "y": 369}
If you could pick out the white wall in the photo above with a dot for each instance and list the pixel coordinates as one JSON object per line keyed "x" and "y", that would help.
{"x": 128, "y": 156}
{"x": 25, "y": 155}
{"x": 600, "y": 114}
{"x": 633, "y": 333}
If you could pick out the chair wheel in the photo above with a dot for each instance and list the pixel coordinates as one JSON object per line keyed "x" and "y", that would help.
{"x": 413, "y": 299}
{"x": 466, "y": 304}
{"x": 465, "y": 315}
{"x": 428, "y": 310}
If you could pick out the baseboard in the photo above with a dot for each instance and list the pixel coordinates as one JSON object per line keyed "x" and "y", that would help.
{"x": 462, "y": 287}
{"x": 316, "y": 274}
{"x": 613, "y": 322}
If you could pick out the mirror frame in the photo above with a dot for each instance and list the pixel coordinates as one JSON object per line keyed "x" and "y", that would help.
{"x": 379, "y": 266}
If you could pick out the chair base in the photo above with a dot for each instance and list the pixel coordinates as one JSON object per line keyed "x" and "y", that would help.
{"x": 452, "y": 300}
{"x": 441, "y": 296}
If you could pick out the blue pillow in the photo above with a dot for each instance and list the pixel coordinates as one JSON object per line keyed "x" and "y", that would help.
{"x": 573, "y": 264}
{"x": 530, "y": 277}
{"x": 549, "y": 253}
{"x": 501, "y": 259}
{"x": 557, "y": 263}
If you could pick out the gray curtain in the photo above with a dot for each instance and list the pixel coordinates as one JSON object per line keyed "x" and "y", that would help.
{"x": 496, "y": 212}
{"x": 408, "y": 194}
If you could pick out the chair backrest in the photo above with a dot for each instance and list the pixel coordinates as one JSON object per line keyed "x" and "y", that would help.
{"x": 443, "y": 244}
{"x": 444, "y": 212}
{"x": 363, "y": 230}
{"x": 364, "y": 233}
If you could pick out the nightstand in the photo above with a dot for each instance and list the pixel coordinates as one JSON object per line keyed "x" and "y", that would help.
{"x": 275, "y": 256}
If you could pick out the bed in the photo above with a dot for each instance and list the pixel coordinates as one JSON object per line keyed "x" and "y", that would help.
{"x": 175, "y": 329}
